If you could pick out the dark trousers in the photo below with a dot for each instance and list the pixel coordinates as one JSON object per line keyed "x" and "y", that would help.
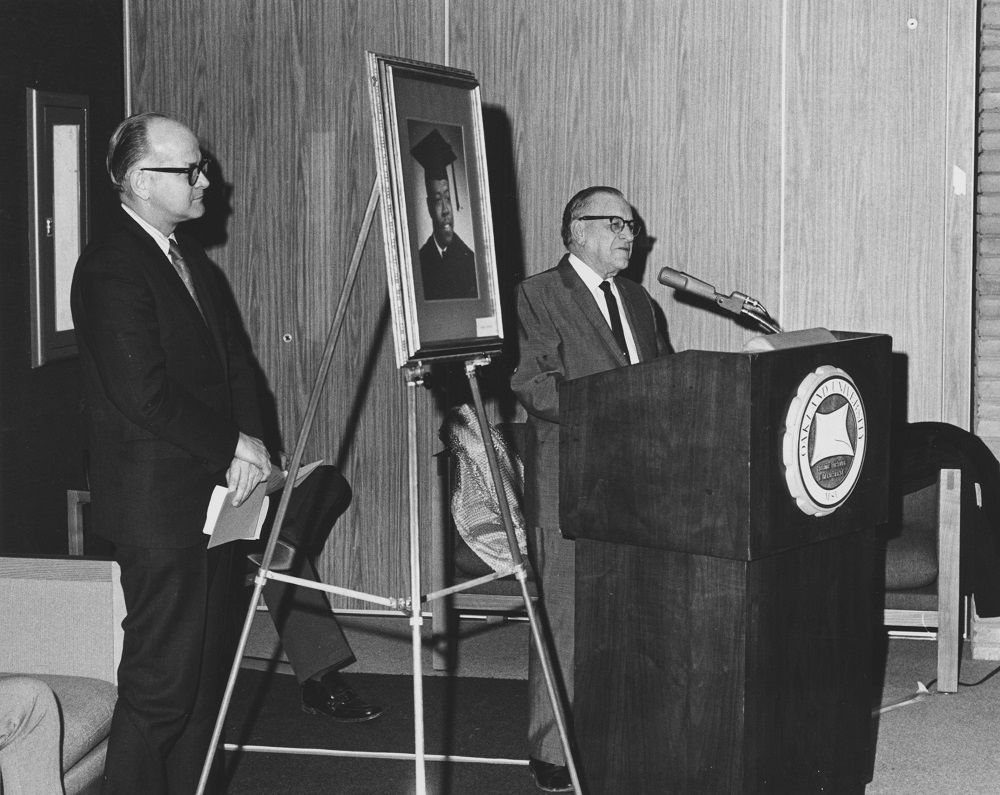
{"x": 172, "y": 672}
{"x": 309, "y": 632}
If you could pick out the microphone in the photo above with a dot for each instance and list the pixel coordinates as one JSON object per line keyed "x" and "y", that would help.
{"x": 687, "y": 284}
{"x": 737, "y": 303}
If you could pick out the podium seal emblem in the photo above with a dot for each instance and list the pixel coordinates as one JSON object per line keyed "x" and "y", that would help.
{"x": 823, "y": 447}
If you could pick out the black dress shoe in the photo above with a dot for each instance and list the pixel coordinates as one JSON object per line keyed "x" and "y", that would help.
{"x": 549, "y": 777}
{"x": 340, "y": 703}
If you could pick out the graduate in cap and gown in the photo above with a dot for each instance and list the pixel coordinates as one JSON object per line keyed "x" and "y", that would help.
{"x": 447, "y": 264}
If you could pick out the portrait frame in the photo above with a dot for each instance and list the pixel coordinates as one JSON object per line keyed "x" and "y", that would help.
{"x": 435, "y": 207}
{"x": 59, "y": 215}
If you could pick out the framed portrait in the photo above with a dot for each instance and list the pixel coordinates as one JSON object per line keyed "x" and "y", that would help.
{"x": 436, "y": 219}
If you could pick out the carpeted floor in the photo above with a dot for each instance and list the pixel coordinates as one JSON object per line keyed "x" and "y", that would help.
{"x": 937, "y": 746}
{"x": 469, "y": 717}
{"x": 478, "y": 711}
{"x": 942, "y": 744}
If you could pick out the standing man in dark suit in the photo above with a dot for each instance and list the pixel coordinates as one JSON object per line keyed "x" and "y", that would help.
{"x": 172, "y": 412}
{"x": 575, "y": 319}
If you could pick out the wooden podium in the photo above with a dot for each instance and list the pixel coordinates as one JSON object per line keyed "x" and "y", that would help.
{"x": 724, "y": 636}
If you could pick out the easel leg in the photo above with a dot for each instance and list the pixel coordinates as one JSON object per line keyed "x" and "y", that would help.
{"x": 416, "y": 616}
{"x": 293, "y": 469}
{"x": 520, "y": 572}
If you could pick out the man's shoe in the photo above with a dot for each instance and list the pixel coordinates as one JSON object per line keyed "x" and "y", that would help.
{"x": 549, "y": 777}
{"x": 340, "y": 703}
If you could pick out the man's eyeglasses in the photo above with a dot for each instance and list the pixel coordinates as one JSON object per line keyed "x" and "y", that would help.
{"x": 194, "y": 171}
{"x": 617, "y": 223}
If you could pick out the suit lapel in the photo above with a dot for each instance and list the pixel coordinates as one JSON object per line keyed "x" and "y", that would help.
{"x": 161, "y": 261}
{"x": 588, "y": 308}
{"x": 209, "y": 324}
{"x": 210, "y": 320}
{"x": 201, "y": 287}
{"x": 201, "y": 290}
{"x": 638, "y": 320}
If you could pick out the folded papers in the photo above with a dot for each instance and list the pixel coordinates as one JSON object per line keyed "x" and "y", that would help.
{"x": 226, "y": 522}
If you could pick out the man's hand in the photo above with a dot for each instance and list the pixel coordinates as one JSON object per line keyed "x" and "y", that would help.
{"x": 252, "y": 450}
{"x": 251, "y": 464}
{"x": 242, "y": 478}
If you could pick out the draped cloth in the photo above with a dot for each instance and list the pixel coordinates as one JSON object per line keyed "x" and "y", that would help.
{"x": 919, "y": 451}
{"x": 474, "y": 504}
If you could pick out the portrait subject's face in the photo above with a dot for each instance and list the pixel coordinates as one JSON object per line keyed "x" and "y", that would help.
{"x": 439, "y": 206}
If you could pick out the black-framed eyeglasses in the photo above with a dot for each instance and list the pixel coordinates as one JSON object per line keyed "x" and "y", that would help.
{"x": 194, "y": 171}
{"x": 617, "y": 223}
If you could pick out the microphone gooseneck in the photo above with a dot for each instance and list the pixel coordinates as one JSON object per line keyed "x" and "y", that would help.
{"x": 736, "y": 303}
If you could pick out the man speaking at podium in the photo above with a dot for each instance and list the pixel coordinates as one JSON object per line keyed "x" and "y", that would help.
{"x": 574, "y": 320}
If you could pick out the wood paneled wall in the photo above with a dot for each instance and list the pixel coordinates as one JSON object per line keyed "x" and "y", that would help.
{"x": 676, "y": 103}
{"x": 801, "y": 152}
{"x": 881, "y": 113}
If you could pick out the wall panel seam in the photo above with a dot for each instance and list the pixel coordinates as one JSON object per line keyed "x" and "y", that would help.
{"x": 783, "y": 100}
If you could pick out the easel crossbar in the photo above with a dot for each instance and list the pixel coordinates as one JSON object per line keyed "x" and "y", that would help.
{"x": 396, "y": 603}
{"x": 334, "y": 589}
{"x": 466, "y": 585}
{"x": 491, "y": 760}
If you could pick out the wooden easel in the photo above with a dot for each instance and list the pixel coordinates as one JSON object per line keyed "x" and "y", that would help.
{"x": 410, "y": 606}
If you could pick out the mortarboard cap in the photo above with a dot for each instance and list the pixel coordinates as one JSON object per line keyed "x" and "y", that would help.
{"x": 435, "y": 154}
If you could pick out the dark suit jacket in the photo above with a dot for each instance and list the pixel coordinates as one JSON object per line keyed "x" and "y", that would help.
{"x": 563, "y": 335}
{"x": 453, "y": 276}
{"x": 167, "y": 390}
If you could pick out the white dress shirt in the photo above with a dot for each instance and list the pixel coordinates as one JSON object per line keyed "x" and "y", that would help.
{"x": 593, "y": 282}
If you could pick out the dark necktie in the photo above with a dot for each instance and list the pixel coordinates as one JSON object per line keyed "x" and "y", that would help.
{"x": 616, "y": 319}
{"x": 184, "y": 272}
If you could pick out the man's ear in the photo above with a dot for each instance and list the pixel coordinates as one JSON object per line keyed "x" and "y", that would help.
{"x": 576, "y": 230}
{"x": 138, "y": 184}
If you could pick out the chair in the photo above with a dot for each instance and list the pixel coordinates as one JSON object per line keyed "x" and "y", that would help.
{"x": 922, "y": 571}
{"x": 964, "y": 519}
{"x": 454, "y": 560}
{"x": 62, "y": 625}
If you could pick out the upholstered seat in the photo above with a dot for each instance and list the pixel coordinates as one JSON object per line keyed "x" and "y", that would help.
{"x": 86, "y": 705}
{"x": 911, "y": 565}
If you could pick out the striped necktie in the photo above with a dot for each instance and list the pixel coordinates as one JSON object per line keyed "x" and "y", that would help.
{"x": 184, "y": 272}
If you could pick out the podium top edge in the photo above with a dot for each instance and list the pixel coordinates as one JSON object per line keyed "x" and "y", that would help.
{"x": 838, "y": 338}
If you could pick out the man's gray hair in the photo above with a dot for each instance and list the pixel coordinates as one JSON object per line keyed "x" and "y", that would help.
{"x": 128, "y": 145}
{"x": 578, "y": 204}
